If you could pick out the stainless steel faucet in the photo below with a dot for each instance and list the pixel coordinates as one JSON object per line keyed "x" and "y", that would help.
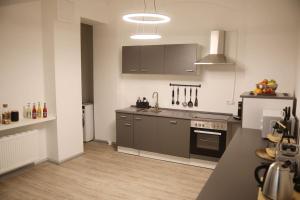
{"x": 155, "y": 94}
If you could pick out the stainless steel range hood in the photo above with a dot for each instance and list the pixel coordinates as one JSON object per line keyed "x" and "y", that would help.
{"x": 216, "y": 53}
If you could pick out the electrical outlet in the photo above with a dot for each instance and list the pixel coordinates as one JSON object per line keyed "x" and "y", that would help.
{"x": 230, "y": 102}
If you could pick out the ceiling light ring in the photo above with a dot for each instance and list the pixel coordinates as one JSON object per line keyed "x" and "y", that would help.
{"x": 144, "y": 36}
{"x": 160, "y": 18}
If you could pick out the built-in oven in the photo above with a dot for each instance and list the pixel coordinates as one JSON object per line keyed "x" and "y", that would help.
{"x": 208, "y": 138}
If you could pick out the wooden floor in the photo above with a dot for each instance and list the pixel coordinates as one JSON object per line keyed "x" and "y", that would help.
{"x": 104, "y": 174}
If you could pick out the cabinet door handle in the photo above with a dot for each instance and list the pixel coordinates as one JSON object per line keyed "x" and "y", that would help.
{"x": 138, "y": 118}
{"x": 208, "y": 132}
{"x": 133, "y": 70}
{"x": 123, "y": 116}
{"x": 127, "y": 124}
{"x": 203, "y": 140}
{"x": 173, "y": 122}
{"x": 189, "y": 70}
{"x": 144, "y": 70}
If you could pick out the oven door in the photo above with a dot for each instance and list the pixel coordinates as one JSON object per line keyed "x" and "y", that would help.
{"x": 207, "y": 142}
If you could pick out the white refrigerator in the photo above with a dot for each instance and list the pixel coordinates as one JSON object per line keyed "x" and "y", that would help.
{"x": 88, "y": 122}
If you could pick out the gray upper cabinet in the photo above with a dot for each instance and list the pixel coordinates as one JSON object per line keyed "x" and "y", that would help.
{"x": 130, "y": 59}
{"x": 160, "y": 59}
{"x": 145, "y": 137}
{"x": 173, "y": 136}
{"x": 152, "y": 59}
{"x": 180, "y": 59}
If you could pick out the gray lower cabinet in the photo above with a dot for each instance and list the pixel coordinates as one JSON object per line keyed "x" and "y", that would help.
{"x": 173, "y": 136}
{"x": 124, "y": 130}
{"x": 145, "y": 136}
{"x": 155, "y": 134}
{"x": 180, "y": 59}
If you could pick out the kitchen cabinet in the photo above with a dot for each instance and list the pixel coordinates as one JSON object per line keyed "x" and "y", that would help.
{"x": 160, "y": 59}
{"x": 145, "y": 136}
{"x": 180, "y": 59}
{"x": 152, "y": 59}
{"x": 125, "y": 116}
{"x": 173, "y": 136}
{"x": 163, "y": 135}
{"x": 124, "y": 127}
{"x": 130, "y": 59}
{"x": 233, "y": 128}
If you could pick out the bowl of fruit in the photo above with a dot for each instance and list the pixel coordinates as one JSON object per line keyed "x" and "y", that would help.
{"x": 266, "y": 87}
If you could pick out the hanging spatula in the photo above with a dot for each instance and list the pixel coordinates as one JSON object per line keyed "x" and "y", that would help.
{"x": 196, "y": 98}
{"x": 177, "y": 102}
{"x": 190, "y": 103}
{"x": 173, "y": 95}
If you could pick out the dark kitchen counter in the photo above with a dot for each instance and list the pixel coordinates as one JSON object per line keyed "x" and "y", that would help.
{"x": 179, "y": 114}
{"x": 233, "y": 177}
{"x": 277, "y": 96}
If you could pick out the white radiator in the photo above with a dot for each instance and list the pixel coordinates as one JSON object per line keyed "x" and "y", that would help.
{"x": 18, "y": 150}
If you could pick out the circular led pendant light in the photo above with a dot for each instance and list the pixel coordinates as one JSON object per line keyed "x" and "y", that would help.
{"x": 143, "y": 19}
{"x": 146, "y": 18}
{"x": 145, "y": 36}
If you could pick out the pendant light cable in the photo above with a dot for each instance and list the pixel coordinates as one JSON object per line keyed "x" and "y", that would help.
{"x": 145, "y": 6}
{"x": 141, "y": 35}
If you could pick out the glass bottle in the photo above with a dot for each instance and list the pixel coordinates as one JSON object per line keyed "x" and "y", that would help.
{"x": 24, "y": 112}
{"x": 34, "y": 114}
{"x": 5, "y": 114}
{"x": 28, "y": 111}
{"x": 45, "y": 111}
{"x": 0, "y": 115}
{"x": 39, "y": 111}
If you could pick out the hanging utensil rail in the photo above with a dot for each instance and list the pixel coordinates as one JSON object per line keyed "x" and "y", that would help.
{"x": 182, "y": 85}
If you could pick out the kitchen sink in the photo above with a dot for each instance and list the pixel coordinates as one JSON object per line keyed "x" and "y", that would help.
{"x": 149, "y": 110}
{"x": 154, "y": 110}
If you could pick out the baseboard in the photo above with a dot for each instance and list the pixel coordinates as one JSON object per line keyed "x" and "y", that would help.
{"x": 175, "y": 159}
{"x": 128, "y": 151}
{"x": 101, "y": 141}
{"x": 41, "y": 161}
{"x": 16, "y": 172}
{"x": 106, "y": 142}
{"x": 180, "y": 160}
{"x": 58, "y": 162}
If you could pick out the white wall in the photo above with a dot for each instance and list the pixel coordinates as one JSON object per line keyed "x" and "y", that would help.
{"x": 68, "y": 89}
{"x": 40, "y": 60}
{"x": 21, "y": 54}
{"x": 261, "y": 38}
{"x": 21, "y": 59}
{"x": 298, "y": 77}
{"x": 67, "y": 71}
{"x": 93, "y": 10}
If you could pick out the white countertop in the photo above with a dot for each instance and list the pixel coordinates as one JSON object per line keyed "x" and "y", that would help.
{"x": 25, "y": 122}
